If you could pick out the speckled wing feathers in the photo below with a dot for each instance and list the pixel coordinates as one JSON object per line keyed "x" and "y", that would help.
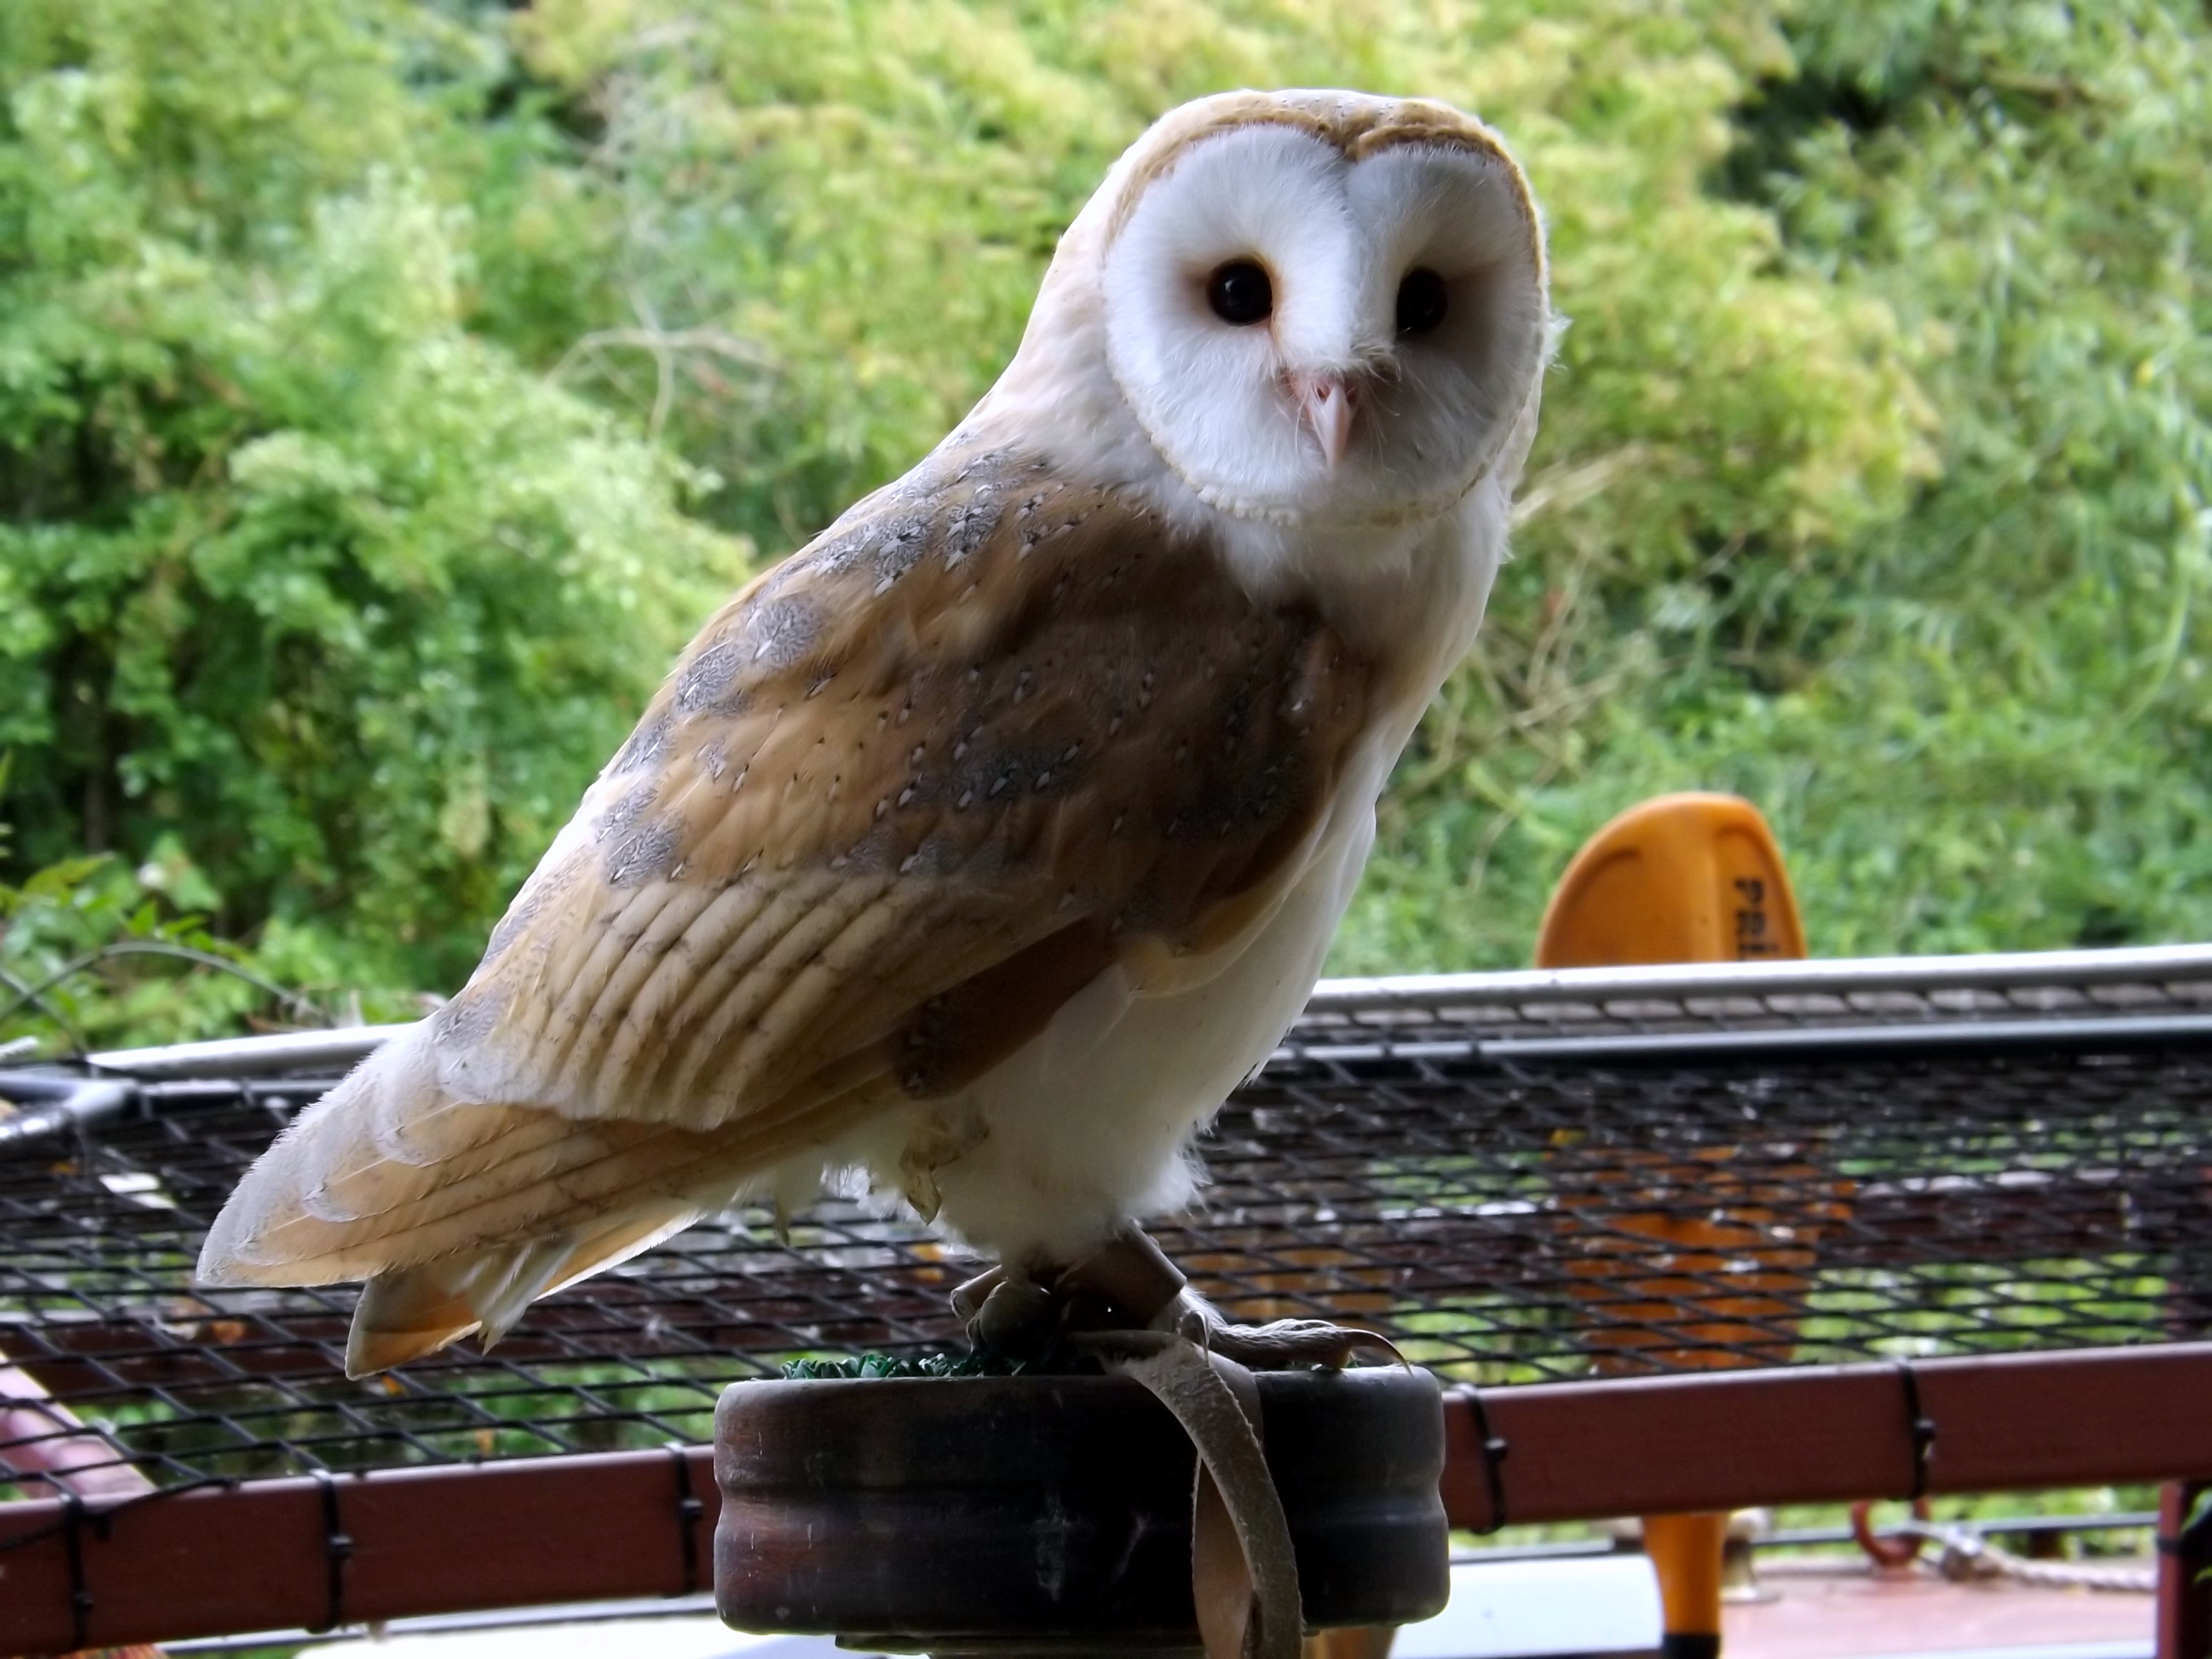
{"x": 903, "y": 797}
{"x": 972, "y": 719}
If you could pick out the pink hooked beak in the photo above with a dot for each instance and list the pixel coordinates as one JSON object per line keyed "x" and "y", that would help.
{"x": 1326, "y": 401}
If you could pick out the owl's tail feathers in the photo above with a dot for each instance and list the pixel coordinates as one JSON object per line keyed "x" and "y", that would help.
{"x": 406, "y": 1314}
{"x": 458, "y": 1213}
{"x": 412, "y": 1312}
{"x": 386, "y": 1170}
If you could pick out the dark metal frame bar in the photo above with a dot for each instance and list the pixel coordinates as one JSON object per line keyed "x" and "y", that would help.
{"x": 1832, "y": 977}
{"x": 1680, "y": 1046}
{"x": 1832, "y": 1434}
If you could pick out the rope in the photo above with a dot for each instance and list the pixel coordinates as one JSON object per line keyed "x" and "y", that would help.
{"x": 337, "y": 1550}
{"x": 1968, "y": 1556}
{"x": 1965, "y": 1557}
{"x": 1923, "y": 1429}
{"x": 689, "y": 1509}
{"x": 1494, "y": 1450}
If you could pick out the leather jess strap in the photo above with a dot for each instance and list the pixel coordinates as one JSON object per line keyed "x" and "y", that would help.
{"x": 1244, "y": 1574}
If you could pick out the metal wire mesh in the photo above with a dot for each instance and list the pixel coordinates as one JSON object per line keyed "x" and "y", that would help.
{"x": 1403, "y": 1162}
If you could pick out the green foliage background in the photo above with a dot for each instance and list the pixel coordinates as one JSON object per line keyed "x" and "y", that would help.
{"x": 386, "y": 389}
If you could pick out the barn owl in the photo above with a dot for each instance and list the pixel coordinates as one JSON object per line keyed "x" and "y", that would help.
{"x": 983, "y": 845}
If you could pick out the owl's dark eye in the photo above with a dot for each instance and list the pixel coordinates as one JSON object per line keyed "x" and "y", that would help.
{"x": 1239, "y": 293}
{"x": 1421, "y": 301}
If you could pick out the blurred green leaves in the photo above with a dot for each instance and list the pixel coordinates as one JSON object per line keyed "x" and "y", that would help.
{"x": 304, "y": 576}
{"x": 1976, "y": 710}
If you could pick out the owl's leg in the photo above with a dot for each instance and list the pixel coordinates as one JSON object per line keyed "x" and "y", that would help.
{"x": 1129, "y": 1283}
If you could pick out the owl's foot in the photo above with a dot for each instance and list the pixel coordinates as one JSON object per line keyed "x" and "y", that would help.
{"x": 1130, "y": 1284}
{"x": 1126, "y": 1284}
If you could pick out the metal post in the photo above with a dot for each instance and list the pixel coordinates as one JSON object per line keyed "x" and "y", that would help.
{"x": 2185, "y": 1561}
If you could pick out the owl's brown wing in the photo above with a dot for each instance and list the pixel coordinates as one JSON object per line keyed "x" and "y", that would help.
{"x": 906, "y": 795}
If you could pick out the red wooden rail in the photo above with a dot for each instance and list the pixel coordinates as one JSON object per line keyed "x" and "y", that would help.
{"x": 541, "y": 1530}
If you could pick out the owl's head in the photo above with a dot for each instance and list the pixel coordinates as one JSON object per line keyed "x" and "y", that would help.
{"x": 1318, "y": 305}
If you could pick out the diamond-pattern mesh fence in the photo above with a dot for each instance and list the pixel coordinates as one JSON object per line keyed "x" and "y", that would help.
{"x": 1407, "y": 1162}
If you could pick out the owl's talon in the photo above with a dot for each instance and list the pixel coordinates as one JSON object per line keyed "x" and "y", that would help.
{"x": 1284, "y": 1343}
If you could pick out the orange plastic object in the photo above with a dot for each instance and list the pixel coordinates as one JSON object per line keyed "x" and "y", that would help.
{"x": 1686, "y": 1554}
{"x": 1690, "y": 877}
